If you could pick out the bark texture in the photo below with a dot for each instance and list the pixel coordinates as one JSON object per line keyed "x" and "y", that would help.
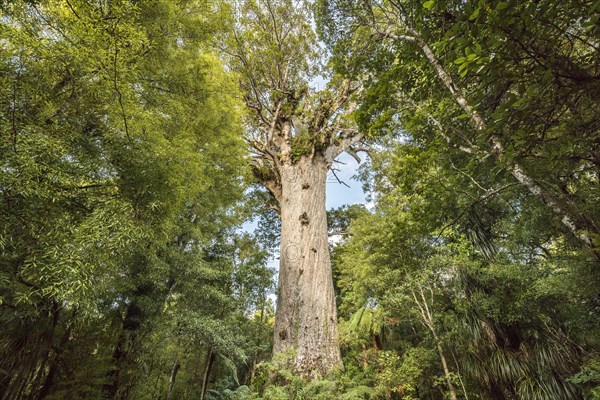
{"x": 294, "y": 134}
{"x": 292, "y": 155}
{"x": 306, "y": 321}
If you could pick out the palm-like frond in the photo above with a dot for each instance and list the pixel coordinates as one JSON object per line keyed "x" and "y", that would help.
{"x": 535, "y": 370}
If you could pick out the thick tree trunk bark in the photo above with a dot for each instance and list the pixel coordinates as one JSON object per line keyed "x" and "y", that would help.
{"x": 306, "y": 321}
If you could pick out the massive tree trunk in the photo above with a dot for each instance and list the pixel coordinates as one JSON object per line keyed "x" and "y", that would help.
{"x": 294, "y": 134}
{"x": 306, "y": 321}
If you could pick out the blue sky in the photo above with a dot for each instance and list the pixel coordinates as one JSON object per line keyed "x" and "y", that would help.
{"x": 339, "y": 195}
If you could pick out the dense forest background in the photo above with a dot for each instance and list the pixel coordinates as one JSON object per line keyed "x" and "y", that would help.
{"x": 126, "y": 177}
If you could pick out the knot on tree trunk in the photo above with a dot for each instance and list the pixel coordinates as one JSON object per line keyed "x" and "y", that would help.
{"x": 304, "y": 218}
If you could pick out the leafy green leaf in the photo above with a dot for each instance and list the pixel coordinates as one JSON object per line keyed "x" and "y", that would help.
{"x": 429, "y": 4}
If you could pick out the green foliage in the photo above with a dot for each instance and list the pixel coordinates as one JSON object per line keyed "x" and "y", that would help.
{"x": 589, "y": 378}
{"x": 122, "y": 270}
{"x": 274, "y": 52}
{"x": 302, "y": 145}
{"x": 276, "y": 382}
{"x": 115, "y": 196}
{"x": 494, "y": 260}
{"x": 495, "y": 318}
{"x": 369, "y": 374}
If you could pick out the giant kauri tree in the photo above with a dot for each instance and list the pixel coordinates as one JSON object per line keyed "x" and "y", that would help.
{"x": 295, "y": 133}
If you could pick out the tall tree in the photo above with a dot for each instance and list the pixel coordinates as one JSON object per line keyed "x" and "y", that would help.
{"x": 508, "y": 322}
{"x": 108, "y": 172}
{"x": 512, "y": 81}
{"x": 295, "y": 133}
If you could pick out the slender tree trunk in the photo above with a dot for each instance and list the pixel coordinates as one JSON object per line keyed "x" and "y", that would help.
{"x": 249, "y": 378}
{"x": 306, "y": 321}
{"x": 174, "y": 370}
{"x": 46, "y": 348}
{"x": 54, "y": 367}
{"x": 117, "y": 386}
{"x": 576, "y": 225}
{"x": 427, "y": 321}
{"x": 462, "y": 384}
{"x": 451, "y": 388}
{"x": 210, "y": 359}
